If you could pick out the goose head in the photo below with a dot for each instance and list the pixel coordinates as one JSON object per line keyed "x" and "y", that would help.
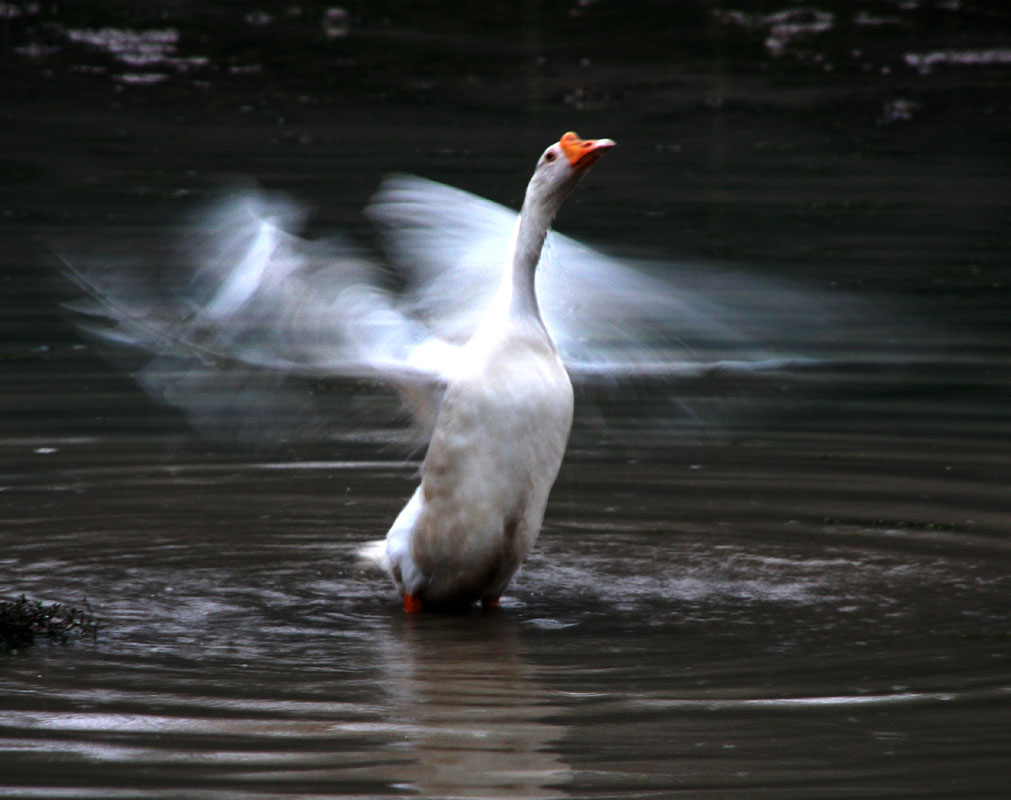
{"x": 558, "y": 171}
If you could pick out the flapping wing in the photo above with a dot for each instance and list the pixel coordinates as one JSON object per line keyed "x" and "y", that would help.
{"x": 243, "y": 318}
{"x": 239, "y": 324}
{"x": 449, "y": 245}
{"x": 609, "y": 317}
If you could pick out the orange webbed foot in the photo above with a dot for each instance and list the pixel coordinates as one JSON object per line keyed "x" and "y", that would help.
{"x": 412, "y": 603}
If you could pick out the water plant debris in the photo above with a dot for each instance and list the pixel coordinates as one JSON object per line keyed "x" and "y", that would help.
{"x": 22, "y": 620}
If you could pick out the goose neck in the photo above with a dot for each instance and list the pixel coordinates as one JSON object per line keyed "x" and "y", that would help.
{"x": 531, "y": 231}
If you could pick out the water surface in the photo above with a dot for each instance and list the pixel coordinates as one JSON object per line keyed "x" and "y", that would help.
{"x": 787, "y": 585}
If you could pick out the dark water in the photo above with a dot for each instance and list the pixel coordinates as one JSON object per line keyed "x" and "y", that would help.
{"x": 774, "y": 586}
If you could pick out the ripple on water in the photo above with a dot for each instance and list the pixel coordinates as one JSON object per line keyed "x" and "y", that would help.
{"x": 682, "y": 639}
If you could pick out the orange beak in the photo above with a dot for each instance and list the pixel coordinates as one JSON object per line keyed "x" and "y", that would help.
{"x": 583, "y": 153}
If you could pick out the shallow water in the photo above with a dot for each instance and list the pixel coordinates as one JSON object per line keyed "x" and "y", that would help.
{"x": 787, "y": 585}
{"x": 720, "y": 617}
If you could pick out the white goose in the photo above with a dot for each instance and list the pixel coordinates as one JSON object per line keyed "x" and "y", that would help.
{"x": 477, "y": 355}
{"x": 502, "y": 426}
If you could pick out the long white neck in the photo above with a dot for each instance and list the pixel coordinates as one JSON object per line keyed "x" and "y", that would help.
{"x": 524, "y": 253}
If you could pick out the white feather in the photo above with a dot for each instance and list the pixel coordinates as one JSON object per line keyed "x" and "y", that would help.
{"x": 258, "y": 308}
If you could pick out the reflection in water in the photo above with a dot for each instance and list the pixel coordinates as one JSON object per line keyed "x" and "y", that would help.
{"x": 717, "y": 634}
{"x": 473, "y": 709}
{"x": 243, "y": 645}
{"x": 454, "y": 711}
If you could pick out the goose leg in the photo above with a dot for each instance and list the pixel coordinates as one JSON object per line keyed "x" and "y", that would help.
{"x": 412, "y": 603}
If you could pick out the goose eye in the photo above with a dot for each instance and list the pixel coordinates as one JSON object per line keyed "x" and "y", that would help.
{"x": 549, "y": 156}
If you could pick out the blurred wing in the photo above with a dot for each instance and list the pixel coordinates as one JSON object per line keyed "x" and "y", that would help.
{"x": 449, "y": 245}
{"x": 620, "y": 318}
{"x": 245, "y": 316}
{"x": 609, "y": 318}
{"x": 239, "y": 325}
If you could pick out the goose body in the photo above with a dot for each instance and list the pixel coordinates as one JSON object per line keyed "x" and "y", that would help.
{"x": 244, "y": 309}
{"x": 502, "y": 426}
{"x": 493, "y": 457}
